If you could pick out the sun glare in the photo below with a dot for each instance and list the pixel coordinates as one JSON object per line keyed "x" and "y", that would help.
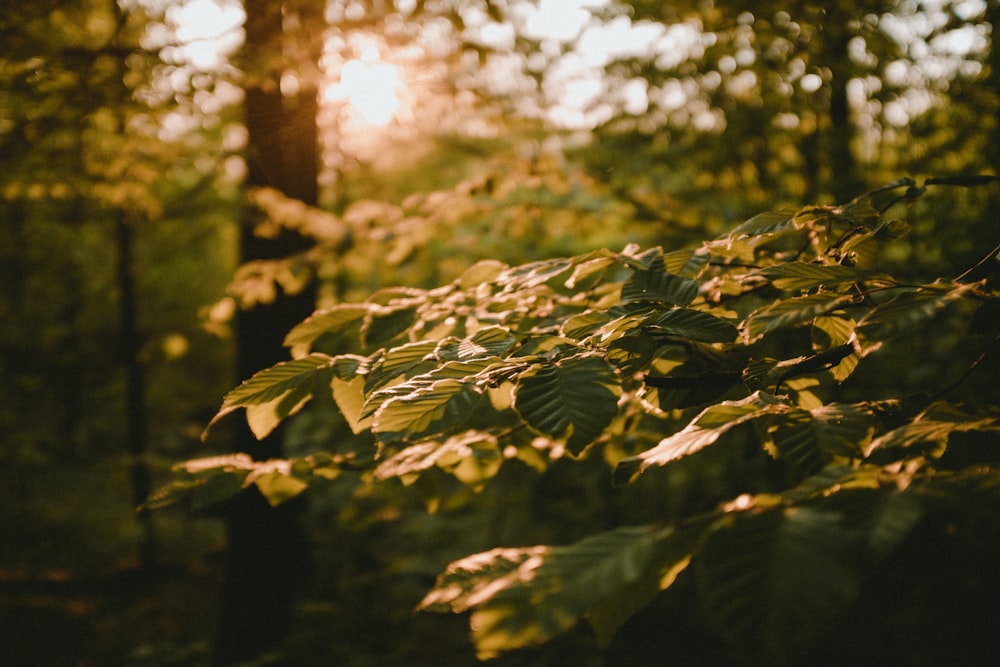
{"x": 370, "y": 87}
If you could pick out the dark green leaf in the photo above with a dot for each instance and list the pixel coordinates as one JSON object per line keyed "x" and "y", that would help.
{"x": 573, "y": 399}
{"x": 694, "y": 325}
{"x": 655, "y": 284}
{"x": 908, "y": 311}
{"x": 384, "y": 324}
{"x": 772, "y": 582}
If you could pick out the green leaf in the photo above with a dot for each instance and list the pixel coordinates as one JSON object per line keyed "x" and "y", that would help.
{"x": 655, "y": 284}
{"x": 929, "y": 432}
{"x": 772, "y": 582}
{"x": 711, "y": 424}
{"x": 908, "y": 311}
{"x": 473, "y": 457}
{"x": 404, "y": 362}
{"x": 348, "y": 387}
{"x": 534, "y": 274}
{"x": 492, "y": 341}
{"x": 427, "y": 410}
{"x": 483, "y": 271}
{"x": 790, "y": 312}
{"x": 685, "y": 263}
{"x": 843, "y": 429}
{"x": 386, "y": 323}
{"x": 331, "y": 323}
{"x": 763, "y": 223}
{"x": 573, "y": 399}
{"x": 584, "y": 324}
{"x": 279, "y": 487}
{"x": 693, "y": 325}
{"x": 275, "y": 393}
{"x": 798, "y": 276}
{"x": 521, "y": 597}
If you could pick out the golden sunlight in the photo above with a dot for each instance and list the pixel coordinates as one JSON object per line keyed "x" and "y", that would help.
{"x": 370, "y": 87}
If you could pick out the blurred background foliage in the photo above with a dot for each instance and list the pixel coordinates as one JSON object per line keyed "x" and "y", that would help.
{"x": 515, "y": 130}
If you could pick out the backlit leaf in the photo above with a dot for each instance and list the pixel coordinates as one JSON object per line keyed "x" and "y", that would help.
{"x": 521, "y": 597}
{"x": 797, "y": 276}
{"x": 711, "y": 424}
{"x": 275, "y": 393}
{"x": 908, "y": 311}
{"x": 278, "y": 487}
{"x": 331, "y": 323}
{"x": 428, "y": 410}
{"x": 790, "y": 312}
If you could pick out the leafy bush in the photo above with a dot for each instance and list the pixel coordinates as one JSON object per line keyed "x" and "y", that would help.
{"x": 765, "y": 476}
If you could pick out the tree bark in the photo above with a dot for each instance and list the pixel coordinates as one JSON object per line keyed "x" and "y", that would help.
{"x": 266, "y": 555}
{"x": 839, "y": 132}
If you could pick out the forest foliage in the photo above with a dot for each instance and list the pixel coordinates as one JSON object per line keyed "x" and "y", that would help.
{"x": 641, "y": 362}
{"x": 732, "y": 373}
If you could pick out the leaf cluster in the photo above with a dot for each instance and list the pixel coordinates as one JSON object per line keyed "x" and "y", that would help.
{"x": 724, "y": 364}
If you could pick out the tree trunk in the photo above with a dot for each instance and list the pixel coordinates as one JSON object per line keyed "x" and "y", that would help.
{"x": 130, "y": 338}
{"x": 266, "y": 555}
{"x": 839, "y": 132}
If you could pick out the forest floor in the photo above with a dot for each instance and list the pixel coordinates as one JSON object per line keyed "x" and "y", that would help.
{"x": 71, "y": 589}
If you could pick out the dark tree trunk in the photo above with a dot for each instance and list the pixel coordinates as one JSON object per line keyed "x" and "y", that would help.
{"x": 130, "y": 340}
{"x": 135, "y": 389}
{"x": 839, "y": 132}
{"x": 992, "y": 147}
{"x": 266, "y": 557}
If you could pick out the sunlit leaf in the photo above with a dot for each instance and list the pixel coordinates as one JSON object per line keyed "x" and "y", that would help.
{"x": 790, "y": 312}
{"x": 521, "y": 597}
{"x": 573, "y": 399}
{"x": 908, "y": 311}
{"x": 491, "y": 341}
{"x": 763, "y": 223}
{"x": 278, "y": 487}
{"x": 432, "y": 409}
{"x": 584, "y": 324}
{"x": 472, "y": 457}
{"x": 275, "y": 393}
{"x": 483, "y": 271}
{"x": 928, "y": 433}
{"x": 329, "y": 323}
{"x": 711, "y": 424}
{"x": 797, "y": 276}
{"x": 404, "y": 362}
{"x": 685, "y": 263}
